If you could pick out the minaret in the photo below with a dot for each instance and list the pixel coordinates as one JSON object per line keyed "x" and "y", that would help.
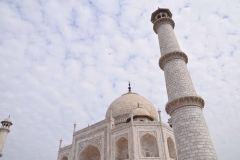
{"x": 4, "y": 130}
{"x": 74, "y": 127}
{"x": 132, "y": 126}
{"x": 60, "y": 144}
{"x": 192, "y": 137}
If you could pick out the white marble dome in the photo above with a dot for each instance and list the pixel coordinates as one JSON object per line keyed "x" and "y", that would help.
{"x": 122, "y": 106}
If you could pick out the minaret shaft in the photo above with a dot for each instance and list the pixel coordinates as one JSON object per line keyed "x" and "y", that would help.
{"x": 178, "y": 80}
{"x": 167, "y": 39}
{"x": 192, "y": 137}
{"x": 3, "y": 135}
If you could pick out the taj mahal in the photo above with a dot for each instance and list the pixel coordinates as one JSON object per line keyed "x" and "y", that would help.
{"x": 133, "y": 129}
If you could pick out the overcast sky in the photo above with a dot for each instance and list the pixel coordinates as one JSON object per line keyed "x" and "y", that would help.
{"x": 65, "y": 61}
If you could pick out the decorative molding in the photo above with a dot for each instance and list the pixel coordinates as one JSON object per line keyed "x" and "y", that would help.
{"x": 83, "y": 136}
{"x": 141, "y": 133}
{"x": 91, "y": 127}
{"x": 172, "y": 55}
{"x": 125, "y": 135}
{"x": 122, "y": 120}
{"x": 5, "y": 129}
{"x": 120, "y": 127}
{"x": 97, "y": 142}
{"x": 167, "y": 135}
{"x": 65, "y": 148}
{"x": 146, "y": 122}
{"x": 184, "y": 101}
{"x": 129, "y": 93}
{"x": 160, "y": 21}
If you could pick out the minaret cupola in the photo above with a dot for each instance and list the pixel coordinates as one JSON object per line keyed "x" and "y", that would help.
{"x": 7, "y": 123}
{"x": 160, "y": 13}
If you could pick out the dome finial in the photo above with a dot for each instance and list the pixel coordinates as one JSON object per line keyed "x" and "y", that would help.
{"x": 129, "y": 87}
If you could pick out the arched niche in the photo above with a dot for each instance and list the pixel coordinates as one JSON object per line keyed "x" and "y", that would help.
{"x": 149, "y": 147}
{"x": 171, "y": 148}
{"x": 90, "y": 153}
{"x": 121, "y": 149}
{"x": 64, "y": 158}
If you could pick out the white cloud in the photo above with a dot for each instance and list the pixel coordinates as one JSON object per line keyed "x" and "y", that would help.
{"x": 66, "y": 61}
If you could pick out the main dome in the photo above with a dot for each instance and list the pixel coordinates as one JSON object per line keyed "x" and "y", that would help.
{"x": 122, "y": 106}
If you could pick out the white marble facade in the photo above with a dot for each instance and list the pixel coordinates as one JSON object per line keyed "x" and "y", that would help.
{"x": 131, "y": 130}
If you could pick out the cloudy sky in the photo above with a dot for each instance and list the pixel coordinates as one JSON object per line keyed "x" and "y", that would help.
{"x": 65, "y": 61}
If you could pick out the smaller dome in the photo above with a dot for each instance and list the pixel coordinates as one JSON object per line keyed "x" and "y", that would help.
{"x": 8, "y": 120}
{"x": 139, "y": 111}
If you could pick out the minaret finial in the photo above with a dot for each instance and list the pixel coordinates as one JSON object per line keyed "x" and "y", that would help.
{"x": 129, "y": 87}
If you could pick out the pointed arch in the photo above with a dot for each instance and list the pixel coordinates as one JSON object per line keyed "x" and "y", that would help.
{"x": 90, "y": 153}
{"x": 121, "y": 149}
{"x": 65, "y": 158}
{"x": 171, "y": 148}
{"x": 149, "y": 146}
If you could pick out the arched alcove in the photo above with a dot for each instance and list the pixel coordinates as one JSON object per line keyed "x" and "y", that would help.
{"x": 64, "y": 158}
{"x": 171, "y": 148}
{"x": 121, "y": 149}
{"x": 149, "y": 147}
{"x": 90, "y": 153}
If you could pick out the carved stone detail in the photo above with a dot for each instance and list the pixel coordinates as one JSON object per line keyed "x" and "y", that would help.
{"x": 160, "y": 21}
{"x": 97, "y": 142}
{"x": 184, "y": 101}
{"x": 121, "y": 127}
{"x": 125, "y": 135}
{"x": 169, "y": 135}
{"x": 83, "y": 136}
{"x": 123, "y": 120}
{"x": 141, "y": 133}
{"x": 65, "y": 155}
{"x": 146, "y": 122}
{"x": 65, "y": 148}
{"x": 173, "y": 55}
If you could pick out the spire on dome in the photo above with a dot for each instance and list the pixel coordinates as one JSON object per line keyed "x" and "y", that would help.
{"x": 129, "y": 87}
